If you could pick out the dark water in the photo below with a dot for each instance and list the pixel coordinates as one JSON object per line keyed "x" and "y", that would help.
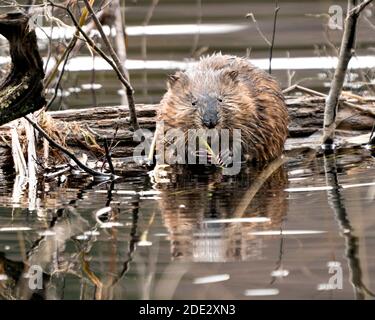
{"x": 201, "y": 236}
{"x": 293, "y": 235}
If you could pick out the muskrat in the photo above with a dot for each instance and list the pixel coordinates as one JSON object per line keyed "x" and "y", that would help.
{"x": 228, "y": 92}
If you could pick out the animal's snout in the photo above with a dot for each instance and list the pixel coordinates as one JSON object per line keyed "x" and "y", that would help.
{"x": 210, "y": 116}
{"x": 210, "y": 120}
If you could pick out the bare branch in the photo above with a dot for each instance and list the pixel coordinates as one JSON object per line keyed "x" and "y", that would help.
{"x": 120, "y": 75}
{"x": 251, "y": 15}
{"x": 129, "y": 89}
{"x": 277, "y": 8}
{"x": 359, "y": 8}
{"x": 346, "y": 52}
{"x": 71, "y": 45}
{"x": 67, "y": 152}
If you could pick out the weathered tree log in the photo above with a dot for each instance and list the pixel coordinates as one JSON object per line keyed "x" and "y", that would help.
{"x": 112, "y": 123}
{"x": 22, "y": 90}
{"x": 306, "y": 117}
{"x": 307, "y": 113}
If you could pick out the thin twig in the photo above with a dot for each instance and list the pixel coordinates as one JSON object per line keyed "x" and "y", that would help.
{"x": 277, "y": 8}
{"x": 49, "y": 53}
{"x": 145, "y": 23}
{"x": 120, "y": 39}
{"x": 71, "y": 44}
{"x": 289, "y": 73}
{"x": 199, "y": 22}
{"x": 251, "y": 15}
{"x": 129, "y": 89}
{"x": 358, "y": 9}
{"x": 57, "y": 86}
{"x": 67, "y": 152}
{"x": 304, "y": 89}
{"x": 108, "y": 156}
{"x": 269, "y": 43}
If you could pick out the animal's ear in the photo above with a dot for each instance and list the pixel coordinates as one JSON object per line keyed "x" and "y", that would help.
{"x": 231, "y": 75}
{"x": 174, "y": 78}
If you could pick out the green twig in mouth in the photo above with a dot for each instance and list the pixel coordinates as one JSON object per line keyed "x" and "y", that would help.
{"x": 211, "y": 152}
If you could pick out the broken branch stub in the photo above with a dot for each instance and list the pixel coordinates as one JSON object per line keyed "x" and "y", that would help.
{"x": 22, "y": 90}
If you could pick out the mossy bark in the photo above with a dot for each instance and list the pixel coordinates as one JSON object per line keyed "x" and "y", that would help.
{"x": 22, "y": 90}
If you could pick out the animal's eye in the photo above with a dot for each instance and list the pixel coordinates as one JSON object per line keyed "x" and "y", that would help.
{"x": 220, "y": 99}
{"x": 194, "y": 103}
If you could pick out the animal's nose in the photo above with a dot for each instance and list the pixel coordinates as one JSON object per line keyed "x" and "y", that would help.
{"x": 209, "y": 123}
{"x": 210, "y": 113}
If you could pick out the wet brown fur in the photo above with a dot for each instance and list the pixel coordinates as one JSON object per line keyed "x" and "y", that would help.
{"x": 251, "y": 101}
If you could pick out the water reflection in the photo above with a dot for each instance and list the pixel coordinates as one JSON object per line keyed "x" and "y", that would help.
{"x": 14, "y": 284}
{"x": 245, "y": 236}
{"x": 337, "y": 203}
{"x": 211, "y": 217}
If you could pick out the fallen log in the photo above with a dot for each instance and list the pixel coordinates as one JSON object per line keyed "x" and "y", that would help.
{"x": 80, "y": 126}
{"x": 22, "y": 90}
{"x": 306, "y": 117}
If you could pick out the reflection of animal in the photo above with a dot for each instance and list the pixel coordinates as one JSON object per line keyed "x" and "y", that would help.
{"x": 16, "y": 284}
{"x": 192, "y": 197}
{"x": 227, "y": 92}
